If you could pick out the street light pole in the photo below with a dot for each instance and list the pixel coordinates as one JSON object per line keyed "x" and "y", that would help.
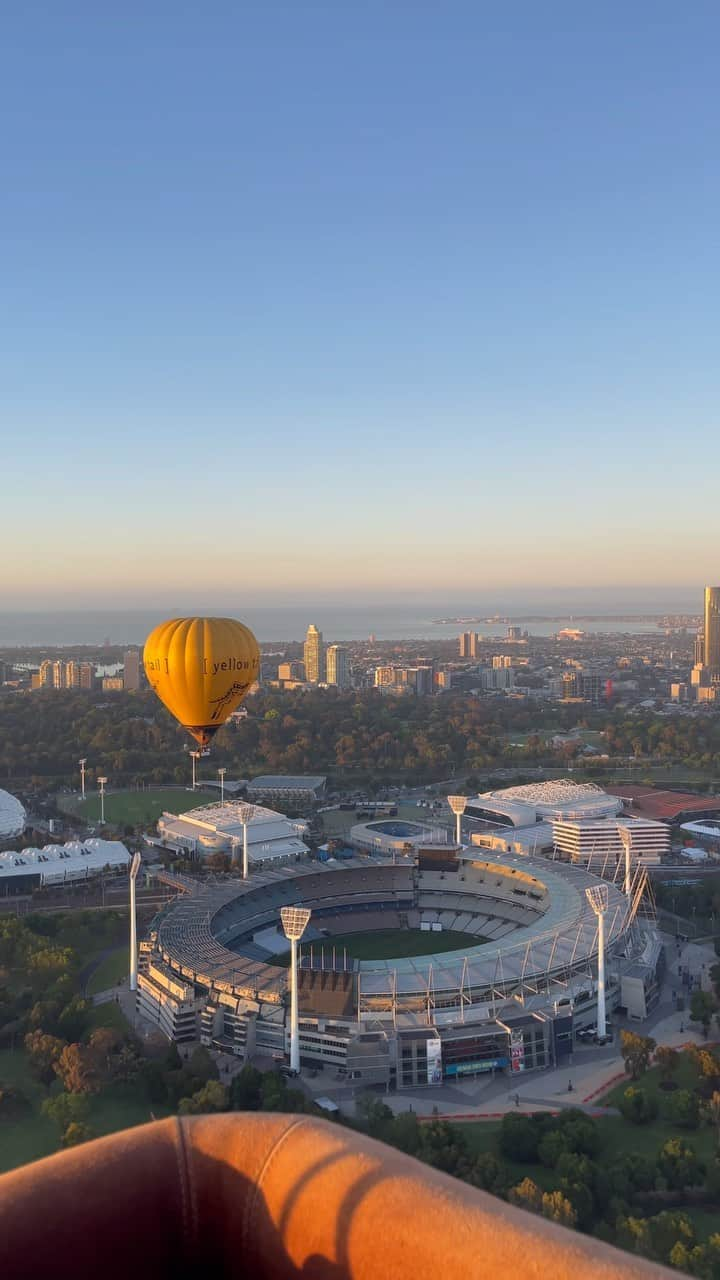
{"x": 294, "y": 922}
{"x": 626, "y": 837}
{"x": 101, "y": 784}
{"x": 134, "y": 868}
{"x": 458, "y": 805}
{"x": 597, "y": 896}
{"x": 221, "y": 775}
{"x": 246, "y": 814}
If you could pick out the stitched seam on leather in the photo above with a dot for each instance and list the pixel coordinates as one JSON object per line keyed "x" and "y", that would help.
{"x": 256, "y": 1196}
{"x": 190, "y": 1171}
{"x": 181, "y": 1157}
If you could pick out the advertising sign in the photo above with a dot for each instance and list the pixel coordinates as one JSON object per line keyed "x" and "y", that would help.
{"x": 517, "y": 1051}
{"x": 434, "y": 1061}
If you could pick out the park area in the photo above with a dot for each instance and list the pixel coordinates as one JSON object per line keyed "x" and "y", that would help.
{"x": 647, "y": 1178}
{"x": 135, "y": 808}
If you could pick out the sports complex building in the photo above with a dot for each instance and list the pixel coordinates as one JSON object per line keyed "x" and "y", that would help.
{"x": 510, "y": 997}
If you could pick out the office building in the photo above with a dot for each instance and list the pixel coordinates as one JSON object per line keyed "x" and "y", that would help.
{"x": 131, "y": 670}
{"x": 338, "y": 666}
{"x": 294, "y": 671}
{"x": 496, "y": 678}
{"x": 596, "y": 843}
{"x": 314, "y": 655}
{"x": 443, "y": 681}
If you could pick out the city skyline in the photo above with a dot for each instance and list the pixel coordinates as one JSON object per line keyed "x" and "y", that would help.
{"x": 461, "y": 296}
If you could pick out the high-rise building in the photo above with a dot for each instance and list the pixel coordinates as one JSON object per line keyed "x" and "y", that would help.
{"x": 711, "y": 647}
{"x": 384, "y": 676}
{"x": 46, "y": 674}
{"x": 469, "y": 644}
{"x": 314, "y": 654}
{"x": 338, "y": 666}
{"x": 420, "y": 678}
{"x": 699, "y": 649}
{"x": 87, "y": 675}
{"x": 58, "y": 675}
{"x": 131, "y": 670}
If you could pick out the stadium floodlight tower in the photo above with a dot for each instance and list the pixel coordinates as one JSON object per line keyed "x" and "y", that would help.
{"x": 134, "y": 868}
{"x": 626, "y": 837}
{"x": 82, "y": 764}
{"x": 195, "y": 756}
{"x": 597, "y": 896}
{"x": 221, "y": 776}
{"x": 458, "y": 805}
{"x": 294, "y": 923}
{"x": 101, "y": 784}
{"x": 246, "y": 814}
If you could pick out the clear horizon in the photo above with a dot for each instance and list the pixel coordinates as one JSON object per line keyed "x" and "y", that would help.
{"x": 317, "y": 301}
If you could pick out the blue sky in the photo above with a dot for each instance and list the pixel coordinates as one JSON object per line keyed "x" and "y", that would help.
{"x": 379, "y": 299}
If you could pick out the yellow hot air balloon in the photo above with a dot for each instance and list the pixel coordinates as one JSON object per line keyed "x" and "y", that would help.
{"x": 201, "y": 668}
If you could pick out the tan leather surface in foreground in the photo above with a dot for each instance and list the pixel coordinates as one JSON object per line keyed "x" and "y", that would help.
{"x": 267, "y": 1197}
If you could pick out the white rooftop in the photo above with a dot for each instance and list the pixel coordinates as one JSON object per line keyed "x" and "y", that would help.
{"x": 56, "y": 863}
{"x": 12, "y": 816}
{"x": 217, "y": 826}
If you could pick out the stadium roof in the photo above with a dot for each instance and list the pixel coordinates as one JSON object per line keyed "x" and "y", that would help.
{"x": 55, "y": 863}
{"x": 666, "y": 806}
{"x": 12, "y": 816}
{"x": 287, "y": 782}
{"x": 191, "y": 938}
{"x": 558, "y": 791}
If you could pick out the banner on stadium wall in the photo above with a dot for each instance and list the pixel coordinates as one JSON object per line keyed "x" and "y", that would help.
{"x": 474, "y": 1068}
{"x": 517, "y": 1051}
{"x": 434, "y": 1061}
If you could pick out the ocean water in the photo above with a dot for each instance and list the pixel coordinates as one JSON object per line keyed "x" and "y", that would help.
{"x": 337, "y": 622}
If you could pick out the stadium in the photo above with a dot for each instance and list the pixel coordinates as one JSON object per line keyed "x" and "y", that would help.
{"x": 510, "y": 996}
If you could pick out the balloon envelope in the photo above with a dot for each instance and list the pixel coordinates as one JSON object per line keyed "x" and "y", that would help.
{"x": 201, "y": 668}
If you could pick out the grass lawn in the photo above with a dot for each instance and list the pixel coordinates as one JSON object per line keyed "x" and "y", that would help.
{"x": 111, "y": 971}
{"x": 704, "y": 1221}
{"x": 685, "y": 1077}
{"x": 140, "y": 808}
{"x": 620, "y": 1137}
{"x": 32, "y": 1136}
{"x": 387, "y": 944}
{"x": 108, "y": 1014}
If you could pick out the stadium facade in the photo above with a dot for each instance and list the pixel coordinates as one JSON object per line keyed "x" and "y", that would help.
{"x": 511, "y": 1003}
{"x": 219, "y": 828}
{"x": 571, "y": 821}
